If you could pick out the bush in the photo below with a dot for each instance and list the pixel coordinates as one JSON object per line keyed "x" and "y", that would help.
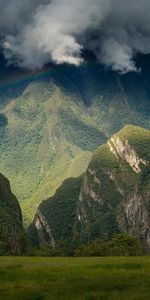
{"x": 119, "y": 245}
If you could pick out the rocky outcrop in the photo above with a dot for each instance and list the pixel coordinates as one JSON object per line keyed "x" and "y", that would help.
{"x": 87, "y": 188}
{"x": 41, "y": 225}
{"x": 125, "y": 151}
{"x": 134, "y": 218}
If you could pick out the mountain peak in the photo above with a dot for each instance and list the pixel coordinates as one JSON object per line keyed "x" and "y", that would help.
{"x": 114, "y": 193}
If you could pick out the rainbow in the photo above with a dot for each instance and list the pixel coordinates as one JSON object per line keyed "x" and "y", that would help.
{"x": 20, "y": 78}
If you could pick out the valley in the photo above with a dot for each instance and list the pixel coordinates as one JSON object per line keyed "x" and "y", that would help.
{"x": 51, "y": 124}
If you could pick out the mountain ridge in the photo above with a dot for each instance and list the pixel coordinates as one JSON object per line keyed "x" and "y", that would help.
{"x": 114, "y": 194}
{"x": 52, "y": 120}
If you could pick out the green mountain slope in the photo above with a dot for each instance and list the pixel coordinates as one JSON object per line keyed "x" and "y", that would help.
{"x": 55, "y": 217}
{"x": 116, "y": 187}
{"x": 42, "y": 144}
{"x": 11, "y": 227}
{"x": 114, "y": 195}
{"x": 51, "y": 126}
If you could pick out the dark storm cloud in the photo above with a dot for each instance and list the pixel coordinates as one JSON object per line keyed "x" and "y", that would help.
{"x": 37, "y": 31}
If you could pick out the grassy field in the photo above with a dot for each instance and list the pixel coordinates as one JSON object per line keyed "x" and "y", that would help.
{"x": 75, "y": 278}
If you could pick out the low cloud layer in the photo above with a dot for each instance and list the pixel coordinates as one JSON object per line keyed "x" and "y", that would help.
{"x": 35, "y": 32}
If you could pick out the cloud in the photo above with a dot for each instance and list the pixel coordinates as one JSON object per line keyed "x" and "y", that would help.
{"x": 38, "y": 31}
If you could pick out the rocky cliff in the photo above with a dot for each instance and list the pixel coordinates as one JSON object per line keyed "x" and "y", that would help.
{"x": 113, "y": 196}
{"x": 55, "y": 217}
{"x": 11, "y": 227}
{"x": 115, "y": 193}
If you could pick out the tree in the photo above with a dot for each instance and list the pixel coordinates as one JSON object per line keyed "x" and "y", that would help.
{"x": 124, "y": 245}
{"x": 119, "y": 245}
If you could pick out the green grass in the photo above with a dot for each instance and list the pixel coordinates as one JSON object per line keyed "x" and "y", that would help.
{"x": 115, "y": 278}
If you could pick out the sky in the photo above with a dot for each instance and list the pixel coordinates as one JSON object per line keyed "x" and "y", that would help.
{"x": 35, "y": 32}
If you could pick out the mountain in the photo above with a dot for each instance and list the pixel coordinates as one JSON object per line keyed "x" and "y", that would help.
{"x": 55, "y": 217}
{"x": 113, "y": 196}
{"x": 11, "y": 226}
{"x": 53, "y": 120}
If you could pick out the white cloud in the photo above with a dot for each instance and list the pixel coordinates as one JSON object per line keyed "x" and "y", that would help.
{"x": 38, "y": 31}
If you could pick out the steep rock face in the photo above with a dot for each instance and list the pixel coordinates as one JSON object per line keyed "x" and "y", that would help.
{"x": 11, "y": 227}
{"x": 55, "y": 217}
{"x": 43, "y": 229}
{"x": 125, "y": 151}
{"x": 115, "y": 194}
{"x": 134, "y": 217}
